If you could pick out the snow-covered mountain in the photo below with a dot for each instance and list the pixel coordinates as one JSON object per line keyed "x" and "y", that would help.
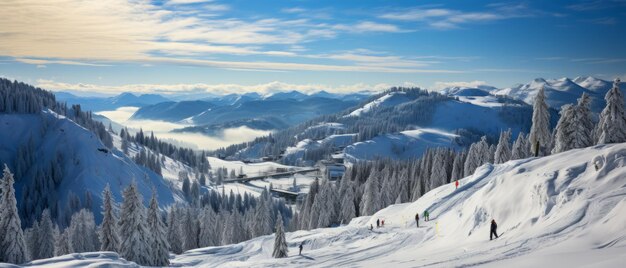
{"x": 172, "y": 111}
{"x": 110, "y": 103}
{"x": 556, "y": 211}
{"x": 561, "y": 91}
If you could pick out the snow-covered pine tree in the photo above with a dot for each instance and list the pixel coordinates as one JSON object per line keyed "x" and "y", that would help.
{"x": 540, "y": 134}
{"x": 208, "y": 228}
{"x": 563, "y": 137}
{"x": 134, "y": 234}
{"x": 158, "y": 243}
{"x": 109, "y": 239}
{"x": 45, "y": 238}
{"x": 173, "y": 231}
{"x": 348, "y": 210}
{"x": 11, "y": 238}
{"x": 82, "y": 232}
{"x": 62, "y": 244}
{"x": 612, "y": 125}
{"x": 31, "y": 236}
{"x": 280, "y": 244}
{"x": 584, "y": 126}
{"x": 477, "y": 155}
{"x": 190, "y": 230}
{"x": 457, "y": 166}
{"x": 519, "y": 150}
{"x": 503, "y": 151}
{"x": 263, "y": 217}
{"x": 370, "y": 203}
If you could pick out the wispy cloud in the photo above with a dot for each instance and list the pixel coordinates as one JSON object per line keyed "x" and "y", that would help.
{"x": 79, "y": 32}
{"x": 443, "y": 18}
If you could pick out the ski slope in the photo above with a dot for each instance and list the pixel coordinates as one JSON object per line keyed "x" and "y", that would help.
{"x": 556, "y": 211}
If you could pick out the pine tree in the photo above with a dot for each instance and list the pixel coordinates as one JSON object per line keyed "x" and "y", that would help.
{"x": 31, "y": 236}
{"x": 503, "y": 151}
{"x": 11, "y": 238}
{"x": 263, "y": 218}
{"x": 612, "y": 125}
{"x": 135, "y": 244}
{"x": 45, "y": 237}
{"x": 190, "y": 230}
{"x": 348, "y": 210}
{"x": 564, "y": 138}
{"x": 457, "y": 167}
{"x": 173, "y": 231}
{"x": 280, "y": 244}
{"x": 62, "y": 244}
{"x": 520, "y": 147}
{"x": 82, "y": 232}
{"x": 109, "y": 239}
{"x": 158, "y": 243}
{"x": 371, "y": 196}
{"x": 540, "y": 135}
{"x": 584, "y": 126}
{"x": 208, "y": 228}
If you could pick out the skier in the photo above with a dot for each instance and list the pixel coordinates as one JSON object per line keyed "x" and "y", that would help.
{"x": 382, "y": 223}
{"x": 377, "y": 223}
{"x": 371, "y": 227}
{"x": 417, "y": 219}
{"x": 456, "y": 183}
{"x": 426, "y": 215}
{"x": 301, "y": 245}
{"x": 494, "y": 228}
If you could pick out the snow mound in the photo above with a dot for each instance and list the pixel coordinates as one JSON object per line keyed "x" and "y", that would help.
{"x": 90, "y": 259}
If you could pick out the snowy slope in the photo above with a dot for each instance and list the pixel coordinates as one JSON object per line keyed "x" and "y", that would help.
{"x": 84, "y": 167}
{"x": 390, "y": 99}
{"x": 555, "y": 210}
{"x": 403, "y": 145}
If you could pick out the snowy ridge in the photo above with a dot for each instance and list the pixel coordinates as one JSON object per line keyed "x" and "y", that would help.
{"x": 392, "y": 98}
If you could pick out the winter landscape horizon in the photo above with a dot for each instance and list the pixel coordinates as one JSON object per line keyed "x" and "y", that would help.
{"x": 211, "y": 133}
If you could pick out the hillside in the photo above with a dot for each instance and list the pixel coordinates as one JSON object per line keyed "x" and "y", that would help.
{"x": 557, "y": 211}
{"x": 81, "y": 165}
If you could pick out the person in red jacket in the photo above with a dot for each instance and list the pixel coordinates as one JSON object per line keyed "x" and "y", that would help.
{"x": 456, "y": 183}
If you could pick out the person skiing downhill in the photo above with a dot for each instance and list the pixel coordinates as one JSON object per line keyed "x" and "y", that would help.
{"x": 301, "y": 245}
{"x": 417, "y": 219}
{"x": 426, "y": 215}
{"x": 377, "y": 223}
{"x": 456, "y": 183}
{"x": 494, "y": 229}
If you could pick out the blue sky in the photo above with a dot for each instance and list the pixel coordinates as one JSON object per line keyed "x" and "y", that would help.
{"x": 196, "y": 46}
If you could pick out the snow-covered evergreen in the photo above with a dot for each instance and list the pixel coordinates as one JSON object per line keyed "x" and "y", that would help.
{"x": 564, "y": 132}
{"x": 109, "y": 239}
{"x": 584, "y": 126}
{"x": 612, "y": 125}
{"x": 62, "y": 244}
{"x": 82, "y": 232}
{"x": 370, "y": 202}
{"x": 134, "y": 234}
{"x": 45, "y": 238}
{"x": 173, "y": 230}
{"x": 503, "y": 151}
{"x": 520, "y": 147}
{"x": 348, "y": 210}
{"x": 540, "y": 134}
{"x": 158, "y": 242}
{"x": 12, "y": 244}
{"x": 280, "y": 244}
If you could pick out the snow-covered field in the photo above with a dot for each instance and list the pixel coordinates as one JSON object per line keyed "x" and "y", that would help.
{"x": 556, "y": 211}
